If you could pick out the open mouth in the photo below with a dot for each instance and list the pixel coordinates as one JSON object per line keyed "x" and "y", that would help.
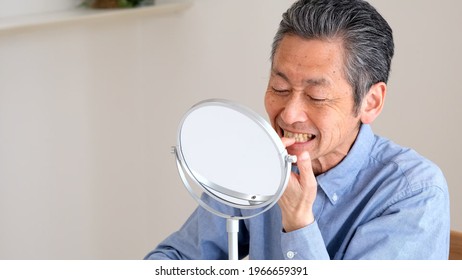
{"x": 299, "y": 137}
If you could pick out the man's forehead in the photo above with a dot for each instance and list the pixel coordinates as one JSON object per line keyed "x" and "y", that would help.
{"x": 314, "y": 81}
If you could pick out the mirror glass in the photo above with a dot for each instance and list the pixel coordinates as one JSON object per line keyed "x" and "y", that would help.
{"x": 233, "y": 154}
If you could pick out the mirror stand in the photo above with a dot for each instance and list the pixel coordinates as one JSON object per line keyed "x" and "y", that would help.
{"x": 232, "y": 227}
{"x": 228, "y": 175}
{"x": 232, "y": 222}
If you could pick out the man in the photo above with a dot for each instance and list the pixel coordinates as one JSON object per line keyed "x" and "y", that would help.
{"x": 355, "y": 195}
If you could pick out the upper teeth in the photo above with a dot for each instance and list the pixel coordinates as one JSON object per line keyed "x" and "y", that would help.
{"x": 299, "y": 137}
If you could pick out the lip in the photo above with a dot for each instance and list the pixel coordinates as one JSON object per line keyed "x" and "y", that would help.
{"x": 298, "y": 148}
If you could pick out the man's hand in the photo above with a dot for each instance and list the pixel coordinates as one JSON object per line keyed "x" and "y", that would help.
{"x": 297, "y": 201}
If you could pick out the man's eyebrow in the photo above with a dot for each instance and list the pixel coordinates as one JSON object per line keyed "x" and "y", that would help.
{"x": 311, "y": 81}
{"x": 280, "y": 74}
{"x": 318, "y": 82}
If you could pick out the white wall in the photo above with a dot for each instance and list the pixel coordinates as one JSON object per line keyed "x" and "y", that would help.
{"x": 29, "y": 7}
{"x": 88, "y": 113}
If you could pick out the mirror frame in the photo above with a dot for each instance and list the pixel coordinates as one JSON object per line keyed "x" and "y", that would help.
{"x": 263, "y": 203}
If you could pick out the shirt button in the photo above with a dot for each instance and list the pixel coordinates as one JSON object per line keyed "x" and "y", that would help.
{"x": 334, "y": 197}
{"x": 290, "y": 254}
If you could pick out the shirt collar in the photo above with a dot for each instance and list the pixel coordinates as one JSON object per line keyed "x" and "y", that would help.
{"x": 336, "y": 181}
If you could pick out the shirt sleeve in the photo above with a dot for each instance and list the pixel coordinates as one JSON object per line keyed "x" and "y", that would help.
{"x": 304, "y": 244}
{"x": 202, "y": 237}
{"x": 415, "y": 225}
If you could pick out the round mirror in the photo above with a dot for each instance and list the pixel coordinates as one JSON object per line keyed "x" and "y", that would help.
{"x": 233, "y": 155}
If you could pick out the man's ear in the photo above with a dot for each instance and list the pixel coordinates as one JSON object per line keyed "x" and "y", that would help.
{"x": 373, "y": 102}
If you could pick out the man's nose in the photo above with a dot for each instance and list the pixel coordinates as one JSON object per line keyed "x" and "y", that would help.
{"x": 294, "y": 110}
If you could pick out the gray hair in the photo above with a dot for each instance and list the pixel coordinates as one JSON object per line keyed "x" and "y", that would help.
{"x": 367, "y": 37}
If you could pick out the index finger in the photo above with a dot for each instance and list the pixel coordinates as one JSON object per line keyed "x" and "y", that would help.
{"x": 287, "y": 141}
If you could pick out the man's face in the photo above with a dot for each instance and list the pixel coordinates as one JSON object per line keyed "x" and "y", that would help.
{"x": 309, "y": 99}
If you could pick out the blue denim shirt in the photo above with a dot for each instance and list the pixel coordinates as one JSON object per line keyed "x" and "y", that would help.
{"x": 381, "y": 202}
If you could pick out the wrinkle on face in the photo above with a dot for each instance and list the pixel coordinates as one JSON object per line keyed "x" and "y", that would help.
{"x": 308, "y": 93}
